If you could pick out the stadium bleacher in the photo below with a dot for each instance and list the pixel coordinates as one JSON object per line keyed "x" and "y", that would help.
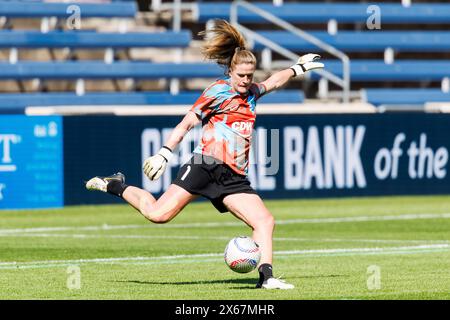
{"x": 391, "y": 42}
{"x": 101, "y": 70}
{"x": 362, "y": 41}
{"x": 418, "y": 79}
{"x": 93, "y": 39}
{"x": 400, "y": 70}
{"x": 404, "y": 96}
{"x": 17, "y": 103}
{"x": 323, "y": 12}
{"x": 38, "y": 9}
{"x": 362, "y": 70}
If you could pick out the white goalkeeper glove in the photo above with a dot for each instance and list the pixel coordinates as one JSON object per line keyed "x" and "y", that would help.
{"x": 154, "y": 166}
{"x": 306, "y": 63}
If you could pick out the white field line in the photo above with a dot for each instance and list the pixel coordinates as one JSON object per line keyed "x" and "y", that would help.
{"x": 424, "y": 216}
{"x": 217, "y": 238}
{"x": 362, "y": 240}
{"x": 107, "y": 236}
{"x": 187, "y": 257}
{"x": 374, "y": 293}
{"x": 67, "y": 228}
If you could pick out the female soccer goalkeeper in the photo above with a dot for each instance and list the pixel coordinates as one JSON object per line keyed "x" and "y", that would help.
{"x": 218, "y": 169}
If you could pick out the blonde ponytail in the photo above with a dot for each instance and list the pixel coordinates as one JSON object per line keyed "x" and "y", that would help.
{"x": 226, "y": 45}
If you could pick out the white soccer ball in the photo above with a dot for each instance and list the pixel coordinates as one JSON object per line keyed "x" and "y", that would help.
{"x": 242, "y": 254}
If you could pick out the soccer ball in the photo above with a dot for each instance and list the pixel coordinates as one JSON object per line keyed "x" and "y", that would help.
{"x": 242, "y": 254}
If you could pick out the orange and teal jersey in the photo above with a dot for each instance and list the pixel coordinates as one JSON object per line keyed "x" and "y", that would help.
{"x": 227, "y": 119}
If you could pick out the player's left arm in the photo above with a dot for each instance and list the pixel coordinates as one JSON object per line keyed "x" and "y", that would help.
{"x": 304, "y": 64}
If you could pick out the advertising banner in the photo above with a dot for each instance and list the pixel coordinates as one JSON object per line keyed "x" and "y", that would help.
{"x": 293, "y": 156}
{"x": 31, "y": 162}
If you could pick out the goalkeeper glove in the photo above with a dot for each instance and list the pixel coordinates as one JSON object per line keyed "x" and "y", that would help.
{"x": 306, "y": 63}
{"x": 154, "y": 166}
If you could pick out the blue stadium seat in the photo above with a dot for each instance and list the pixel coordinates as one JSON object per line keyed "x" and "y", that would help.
{"x": 28, "y": 9}
{"x": 405, "y": 96}
{"x": 352, "y": 41}
{"x": 92, "y": 39}
{"x": 361, "y": 70}
{"x": 99, "y": 70}
{"x": 401, "y": 70}
{"x": 17, "y": 102}
{"x": 96, "y": 98}
{"x": 322, "y": 12}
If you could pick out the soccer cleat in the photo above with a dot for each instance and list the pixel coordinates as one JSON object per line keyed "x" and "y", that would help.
{"x": 274, "y": 283}
{"x": 101, "y": 183}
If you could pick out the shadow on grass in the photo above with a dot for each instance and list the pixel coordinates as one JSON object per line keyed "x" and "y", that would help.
{"x": 249, "y": 282}
{"x": 322, "y": 276}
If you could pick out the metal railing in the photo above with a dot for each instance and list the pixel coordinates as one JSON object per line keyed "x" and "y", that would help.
{"x": 343, "y": 82}
{"x": 177, "y": 6}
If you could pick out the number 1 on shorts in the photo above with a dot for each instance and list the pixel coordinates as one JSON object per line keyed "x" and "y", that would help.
{"x": 188, "y": 169}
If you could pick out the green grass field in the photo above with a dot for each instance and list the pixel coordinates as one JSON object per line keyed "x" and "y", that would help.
{"x": 366, "y": 248}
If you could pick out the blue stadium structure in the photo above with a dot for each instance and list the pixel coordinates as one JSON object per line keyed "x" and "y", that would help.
{"x": 93, "y": 39}
{"x": 348, "y": 12}
{"x": 363, "y": 41}
{"x": 39, "y": 9}
{"x": 401, "y": 63}
{"x": 18, "y": 102}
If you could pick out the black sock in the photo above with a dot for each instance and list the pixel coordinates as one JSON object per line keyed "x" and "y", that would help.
{"x": 116, "y": 188}
{"x": 265, "y": 272}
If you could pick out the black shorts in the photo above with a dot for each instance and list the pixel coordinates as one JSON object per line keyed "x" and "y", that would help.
{"x": 206, "y": 176}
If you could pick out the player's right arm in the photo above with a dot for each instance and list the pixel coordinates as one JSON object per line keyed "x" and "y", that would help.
{"x": 189, "y": 121}
{"x": 154, "y": 166}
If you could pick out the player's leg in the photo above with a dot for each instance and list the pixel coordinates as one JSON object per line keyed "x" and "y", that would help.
{"x": 251, "y": 209}
{"x": 162, "y": 210}
{"x": 158, "y": 211}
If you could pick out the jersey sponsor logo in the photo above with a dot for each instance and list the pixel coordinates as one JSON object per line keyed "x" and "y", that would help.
{"x": 242, "y": 126}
